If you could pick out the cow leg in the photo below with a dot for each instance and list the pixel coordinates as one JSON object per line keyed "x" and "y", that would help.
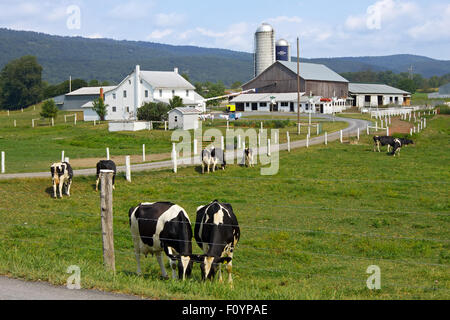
{"x": 229, "y": 269}
{"x": 159, "y": 257}
{"x": 61, "y": 185}
{"x": 54, "y": 190}
{"x": 137, "y": 254}
{"x": 173, "y": 266}
{"x": 96, "y": 183}
{"x": 220, "y": 273}
{"x": 114, "y": 182}
{"x": 69, "y": 184}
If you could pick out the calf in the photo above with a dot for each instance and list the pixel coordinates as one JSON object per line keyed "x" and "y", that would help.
{"x": 217, "y": 233}
{"x": 249, "y": 159}
{"x": 163, "y": 227}
{"x": 209, "y": 159}
{"x": 383, "y": 141}
{"x": 106, "y": 165}
{"x": 62, "y": 175}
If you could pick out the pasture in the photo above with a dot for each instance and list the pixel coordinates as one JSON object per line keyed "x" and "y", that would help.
{"x": 310, "y": 232}
{"x": 34, "y": 149}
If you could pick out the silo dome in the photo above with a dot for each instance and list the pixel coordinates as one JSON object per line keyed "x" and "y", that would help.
{"x": 264, "y": 48}
{"x": 283, "y": 50}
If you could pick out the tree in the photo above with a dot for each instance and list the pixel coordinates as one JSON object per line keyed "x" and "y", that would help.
{"x": 186, "y": 77}
{"x": 99, "y": 106}
{"x": 175, "y": 102}
{"x": 152, "y": 111}
{"x": 49, "y": 109}
{"x": 94, "y": 83}
{"x": 236, "y": 85}
{"x": 21, "y": 83}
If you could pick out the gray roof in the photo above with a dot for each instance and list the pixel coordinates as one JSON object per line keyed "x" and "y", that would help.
{"x": 186, "y": 110}
{"x": 166, "y": 79}
{"x": 313, "y": 71}
{"x": 88, "y": 91}
{"x": 374, "y": 88}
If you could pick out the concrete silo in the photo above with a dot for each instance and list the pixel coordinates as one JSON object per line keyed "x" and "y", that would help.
{"x": 264, "y": 48}
{"x": 283, "y": 50}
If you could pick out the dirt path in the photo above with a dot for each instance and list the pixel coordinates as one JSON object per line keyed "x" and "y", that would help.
{"x": 400, "y": 126}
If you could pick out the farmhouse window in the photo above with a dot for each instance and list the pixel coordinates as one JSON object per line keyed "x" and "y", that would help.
{"x": 124, "y": 93}
{"x": 176, "y": 118}
{"x": 114, "y": 96}
{"x": 114, "y": 109}
{"x": 146, "y": 93}
{"x": 160, "y": 93}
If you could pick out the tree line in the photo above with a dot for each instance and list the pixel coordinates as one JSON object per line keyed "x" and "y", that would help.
{"x": 403, "y": 81}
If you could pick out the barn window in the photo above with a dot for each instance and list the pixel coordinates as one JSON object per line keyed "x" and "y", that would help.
{"x": 124, "y": 93}
{"x": 129, "y": 81}
{"x": 128, "y": 109}
{"x": 284, "y": 104}
{"x": 114, "y": 109}
{"x": 114, "y": 96}
{"x": 263, "y": 104}
{"x": 187, "y": 93}
{"x": 176, "y": 118}
{"x": 146, "y": 93}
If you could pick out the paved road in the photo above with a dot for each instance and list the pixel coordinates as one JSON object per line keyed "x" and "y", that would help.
{"x": 12, "y": 289}
{"x": 351, "y": 130}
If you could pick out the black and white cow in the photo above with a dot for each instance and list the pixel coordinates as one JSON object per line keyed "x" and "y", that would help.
{"x": 219, "y": 155}
{"x": 397, "y": 147}
{"x": 105, "y": 165}
{"x": 163, "y": 227}
{"x": 62, "y": 176}
{"x": 249, "y": 157}
{"x": 217, "y": 233}
{"x": 382, "y": 141}
{"x": 405, "y": 141}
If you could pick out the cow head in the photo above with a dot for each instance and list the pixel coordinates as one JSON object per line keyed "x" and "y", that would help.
{"x": 209, "y": 265}
{"x": 57, "y": 170}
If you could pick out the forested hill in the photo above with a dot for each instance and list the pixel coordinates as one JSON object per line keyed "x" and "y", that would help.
{"x": 112, "y": 60}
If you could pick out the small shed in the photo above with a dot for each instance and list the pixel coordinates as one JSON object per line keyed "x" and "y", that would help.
{"x": 185, "y": 118}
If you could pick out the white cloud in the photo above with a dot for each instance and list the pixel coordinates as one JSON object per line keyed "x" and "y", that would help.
{"x": 159, "y": 34}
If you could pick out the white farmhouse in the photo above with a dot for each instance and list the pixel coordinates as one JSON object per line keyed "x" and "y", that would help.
{"x": 186, "y": 118}
{"x": 141, "y": 87}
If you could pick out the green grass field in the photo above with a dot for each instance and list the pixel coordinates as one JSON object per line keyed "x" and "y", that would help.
{"x": 310, "y": 232}
{"x": 35, "y": 149}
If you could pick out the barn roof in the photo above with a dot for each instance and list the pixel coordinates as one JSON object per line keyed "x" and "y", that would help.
{"x": 374, "y": 88}
{"x": 313, "y": 71}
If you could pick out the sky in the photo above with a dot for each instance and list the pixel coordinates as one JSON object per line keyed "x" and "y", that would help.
{"x": 326, "y": 28}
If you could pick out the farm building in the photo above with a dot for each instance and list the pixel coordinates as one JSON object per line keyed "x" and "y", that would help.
{"x": 287, "y": 102}
{"x": 315, "y": 80}
{"x": 374, "y": 95}
{"x": 444, "y": 92}
{"x": 135, "y": 90}
{"x": 185, "y": 118}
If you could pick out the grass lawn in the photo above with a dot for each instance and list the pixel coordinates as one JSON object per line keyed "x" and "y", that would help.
{"x": 35, "y": 149}
{"x": 309, "y": 232}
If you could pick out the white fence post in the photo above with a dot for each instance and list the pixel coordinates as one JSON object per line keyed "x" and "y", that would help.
{"x": 8, "y": 112}
{"x": 65, "y": 118}
{"x": 268, "y": 147}
{"x": 342, "y": 136}
{"x": 368, "y": 132}
{"x": 107, "y": 153}
{"x": 411, "y": 132}
{"x": 288, "y": 141}
{"x": 128, "y": 168}
{"x": 53, "y": 122}
{"x": 3, "y": 161}
{"x": 326, "y": 138}
{"x": 222, "y": 142}
{"x": 358, "y": 134}
{"x": 75, "y": 120}
{"x": 165, "y": 125}
{"x": 174, "y": 159}
{"x": 67, "y": 160}
{"x": 307, "y": 141}
{"x": 15, "y": 123}
{"x": 143, "y": 153}
{"x": 387, "y": 131}
{"x": 62, "y": 156}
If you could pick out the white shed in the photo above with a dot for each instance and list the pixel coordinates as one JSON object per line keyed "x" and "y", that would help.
{"x": 185, "y": 118}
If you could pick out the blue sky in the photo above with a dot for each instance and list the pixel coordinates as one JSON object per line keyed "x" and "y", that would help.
{"x": 326, "y": 28}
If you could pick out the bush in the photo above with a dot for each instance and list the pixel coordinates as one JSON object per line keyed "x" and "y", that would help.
{"x": 49, "y": 109}
{"x": 153, "y": 112}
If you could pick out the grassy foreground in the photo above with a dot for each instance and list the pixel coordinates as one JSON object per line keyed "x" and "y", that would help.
{"x": 309, "y": 232}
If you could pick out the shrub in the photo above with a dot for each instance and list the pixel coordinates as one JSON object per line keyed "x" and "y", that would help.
{"x": 49, "y": 109}
{"x": 153, "y": 112}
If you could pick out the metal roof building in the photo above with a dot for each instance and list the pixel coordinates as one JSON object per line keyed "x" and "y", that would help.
{"x": 185, "y": 118}
{"x": 366, "y": 88}
{"x": 375, "y": 95}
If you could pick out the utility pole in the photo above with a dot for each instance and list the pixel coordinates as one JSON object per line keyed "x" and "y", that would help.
{"x": 298, "y": 86}
{"x": 70, "y": 83}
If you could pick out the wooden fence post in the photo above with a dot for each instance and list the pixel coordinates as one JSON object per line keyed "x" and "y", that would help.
{"x": 128, "y": 168}
{"x": 106, "y": 206}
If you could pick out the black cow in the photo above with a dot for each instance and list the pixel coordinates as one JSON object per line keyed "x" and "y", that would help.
{"x": 383, "y": 141}
{"x": 163, "y": 226}
{"x": 105, "y": 165}
{"x": 217, "y": 233}
{"x": 62, "y": 175}
{"x": 405, "y": 141}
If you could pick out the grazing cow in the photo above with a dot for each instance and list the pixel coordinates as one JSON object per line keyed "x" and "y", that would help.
{"x": 383, "y": 141}
{"x": 405, "y": 141}
{"x": 62, "y": 175}
{"x": 163, "y": 227}
{"x": 217, "y": 233}
{"x": 249, "y": 157}
{"x": 209, "y": 159}
{"x": 219, "y": 158}
{"x": 105, "y": 165}
{"x": 397, "y": 147}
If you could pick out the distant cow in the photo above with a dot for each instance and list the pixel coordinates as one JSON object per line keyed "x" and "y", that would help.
{"x": 62, "y": 175}
{"x": 405, "y": 141}
{"x": 382, "y": 141}
{"x": 219, "y": 155}
{"x": 163, "y": 226}
{"x": 249, "y": 157}
{"x": 211, "y": 157}
{"x": 217, "y": 233}
{"x": 397, "y": 147}
{"x": 105, "y": 165}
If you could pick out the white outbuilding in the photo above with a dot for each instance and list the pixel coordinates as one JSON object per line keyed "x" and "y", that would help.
{"x": 185, "y": 118}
